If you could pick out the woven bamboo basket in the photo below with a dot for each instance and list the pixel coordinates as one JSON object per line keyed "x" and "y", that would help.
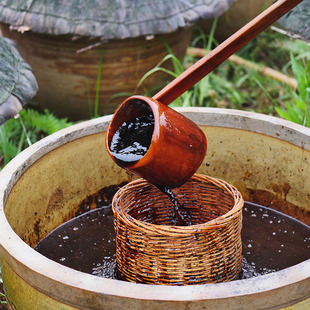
{"x": 151, "y": 249}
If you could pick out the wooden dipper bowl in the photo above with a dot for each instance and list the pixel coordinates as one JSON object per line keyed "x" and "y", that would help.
{"x": 178, "y": 146}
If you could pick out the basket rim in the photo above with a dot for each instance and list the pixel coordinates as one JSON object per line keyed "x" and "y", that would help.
{"x": 180, "y": 230}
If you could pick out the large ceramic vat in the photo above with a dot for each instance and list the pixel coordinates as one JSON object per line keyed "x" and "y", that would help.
{"x": 265, "y": 157}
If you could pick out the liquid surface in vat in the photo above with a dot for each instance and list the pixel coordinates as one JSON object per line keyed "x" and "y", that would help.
{"x": 271, "y": 241}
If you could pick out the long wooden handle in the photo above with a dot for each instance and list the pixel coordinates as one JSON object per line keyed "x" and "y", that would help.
{"x": 212, "y": 60}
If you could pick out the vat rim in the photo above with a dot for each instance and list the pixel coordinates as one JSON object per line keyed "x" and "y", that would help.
{"x": 20, "y": 256}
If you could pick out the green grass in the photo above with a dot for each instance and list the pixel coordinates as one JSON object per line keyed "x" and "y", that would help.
{"x": 3, "y": 303}
{"x": 298, "y": 110}
{"x": 94, "y": 105}
{"x": 236, "y": 86}
{"x": 199, "y": 94}
{"x": 31, "y": 126}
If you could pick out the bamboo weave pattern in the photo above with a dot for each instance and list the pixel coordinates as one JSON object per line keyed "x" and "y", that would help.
{"x": 149, "y": 249}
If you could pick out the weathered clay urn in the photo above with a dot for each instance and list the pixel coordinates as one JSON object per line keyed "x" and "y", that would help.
{"x": 266, "y": 158}
{"x": 239, "y": 14}
{"x": 17, "y": 82}
{"x": 297, "y": 22}
{"x": 81, "y": 51}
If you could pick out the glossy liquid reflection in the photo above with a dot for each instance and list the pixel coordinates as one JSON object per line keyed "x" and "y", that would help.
{"x": 271, "y": 241}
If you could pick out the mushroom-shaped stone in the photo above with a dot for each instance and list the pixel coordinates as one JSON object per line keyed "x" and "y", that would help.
{"x": 297, "y": 21}
{"x": 108, "y": 19}
{"x": 17, "y": 83}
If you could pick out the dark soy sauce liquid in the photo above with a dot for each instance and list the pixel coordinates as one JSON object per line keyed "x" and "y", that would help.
{"x": 85, "y": 243}
{"x": 181, "y": 216}
{"x": 132, "y": 140}
{"x": 271, "y": 241}
{"x": 130, "y": 143}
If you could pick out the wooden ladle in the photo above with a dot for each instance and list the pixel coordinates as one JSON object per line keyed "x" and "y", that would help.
{"x": 178, "y": 146}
